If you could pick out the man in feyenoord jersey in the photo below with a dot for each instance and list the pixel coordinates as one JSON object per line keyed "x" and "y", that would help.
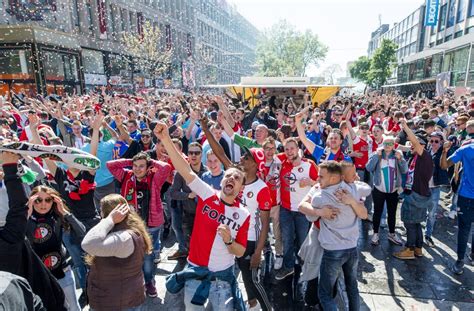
{"x": 297, "y": 176}
{"x": 257, "y": 200}
{"x": 219, "y": 235}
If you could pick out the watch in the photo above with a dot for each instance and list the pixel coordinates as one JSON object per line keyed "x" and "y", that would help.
{"x": 230, "y": 242}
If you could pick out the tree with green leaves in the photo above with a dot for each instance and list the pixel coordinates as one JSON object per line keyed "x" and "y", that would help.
{"x": 285, "y": 51}
{"x": 359, "y": 70}
{"x": 148, "y": 56}
{"x": 382, "y": 63}
{"x": 376, "y": 70}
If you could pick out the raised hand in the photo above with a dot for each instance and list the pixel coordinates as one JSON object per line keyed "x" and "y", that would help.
{"x": 161, "y": 131}
{"x": 118, "y": 214}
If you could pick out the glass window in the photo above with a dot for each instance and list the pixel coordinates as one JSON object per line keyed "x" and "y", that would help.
{"x": 93, "y": 62}
{"x": 460, "y": 16}
{"x": 436, "y": 64}
{"x": 470, "y": 11}
{"x": 459, "y": 66}
{"x": 15, "y": 61}
{"x": 447, "y": 62}
{"x": 458, "y": 34}
{"x": 451, "y": 13}
{"x": 442, "y": 16}
{"x": 60, "y": 66}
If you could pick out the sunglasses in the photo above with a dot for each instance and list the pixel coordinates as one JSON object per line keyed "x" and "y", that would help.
{"x": 364, "y": 128}
{"x": 459, "y": 124}
{"x": 388, "y": 143}
{"x": 194, "y": 153}
{"x": 40, "y": 200}
{"x": 148, "y": 136}
{"x": 434, "y": 141}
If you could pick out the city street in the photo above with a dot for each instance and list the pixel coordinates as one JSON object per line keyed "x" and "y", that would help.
{"x": 385, "y": 283}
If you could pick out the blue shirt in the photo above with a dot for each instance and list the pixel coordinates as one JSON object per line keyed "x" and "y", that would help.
{"x": 213, "y": 181}
{"x": 315, "y": 138}
{"x": 318, "y": 152}
{"x": 105, "y": 152}
{"x": 465, "y": 154}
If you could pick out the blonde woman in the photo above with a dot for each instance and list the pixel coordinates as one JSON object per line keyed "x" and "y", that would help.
{"x": 116, "y": 249}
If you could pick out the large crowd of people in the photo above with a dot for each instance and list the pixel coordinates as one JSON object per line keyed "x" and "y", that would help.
{"x": 231, "y": 178}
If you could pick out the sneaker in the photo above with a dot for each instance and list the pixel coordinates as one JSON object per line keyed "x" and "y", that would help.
{"x": 429, "y": 241}
{"x": 151, "y": 290}
{"x": 278, "y": 262}
{"x": 405, "y": 253}
{"x": 254, "y": 308}
{"x": 395, "y": 239}
{"x": 457, "y": 267}
{"x": 452, "y": 215}
{"x": 157, "y": 258}
{"x": 418, "y": 252}
{"x": 284, "y": 273}
{"x": 375, "y": 239}
{"x": 177, "y": 255}
{"x": 370, "y": 217}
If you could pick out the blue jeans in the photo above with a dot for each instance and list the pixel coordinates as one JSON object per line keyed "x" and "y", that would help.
{"x": 77, "y": 255}
{"x": 149, "y": 266}
{"x": 465, "y": 219}
{"x": 68, "y": 286}
{"x": 454, "y": 203}
{"x": 177, "y": 224}
{"x": 220, "y": 296}
{"x": 293, "y": 225}
{"x": 332, "y": 263}
{"x": 430, "y": 221}
{"x": 414, "y": 235}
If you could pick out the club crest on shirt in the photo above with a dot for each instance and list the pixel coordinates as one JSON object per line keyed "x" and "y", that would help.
{"x": 51, "y": 260}
{"x": 300, "y": 169}
{"x": 250, "y": 194}
{"x": 42, "y": 233}
{"x": 235, "y": 215}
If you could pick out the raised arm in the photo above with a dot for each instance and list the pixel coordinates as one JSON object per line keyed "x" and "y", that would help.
{"x": 35, "y": 139}
{"x": 215, "y": 146}
{"x": 412, "y": 138}
{"x": 122, "y": 130}
{"x": 225, "y": 111}
{"x": 181, "y": 165}
{"x": 301, "y": 133}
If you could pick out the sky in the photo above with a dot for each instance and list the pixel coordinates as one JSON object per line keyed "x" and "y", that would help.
{"x": 343, "y": 25}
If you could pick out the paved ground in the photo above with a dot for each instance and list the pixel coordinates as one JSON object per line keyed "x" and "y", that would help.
{"x": 385, "y": 283}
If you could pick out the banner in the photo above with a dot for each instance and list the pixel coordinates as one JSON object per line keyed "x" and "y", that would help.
{"x": 102, "y": 17}
{"x": 442, "y": 82}
{"x": 431, "y": 14}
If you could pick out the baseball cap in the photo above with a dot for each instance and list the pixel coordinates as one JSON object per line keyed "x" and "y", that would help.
{"x": 258, "y": 156}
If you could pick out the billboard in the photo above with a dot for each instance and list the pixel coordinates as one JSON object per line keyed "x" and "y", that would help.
{"x": 431, "y": 14}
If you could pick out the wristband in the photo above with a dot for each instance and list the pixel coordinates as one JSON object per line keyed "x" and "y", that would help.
{"x": 230, "y": 242}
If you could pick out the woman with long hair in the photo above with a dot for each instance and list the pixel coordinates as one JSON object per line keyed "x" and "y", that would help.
{"x": 387, "y": 165}
{"x": 49, "y": 218}
{"x": 116, "y": 249}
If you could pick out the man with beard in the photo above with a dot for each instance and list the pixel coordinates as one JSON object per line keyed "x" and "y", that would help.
{"x": 219, "y": 235}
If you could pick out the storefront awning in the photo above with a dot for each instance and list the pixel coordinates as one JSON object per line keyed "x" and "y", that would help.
{"x": 35, "y": 34}
{"x": 319, "y": 93}
{"x": 409, "y": 83}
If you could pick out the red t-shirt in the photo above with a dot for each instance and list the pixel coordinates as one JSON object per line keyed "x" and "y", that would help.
{"x": 207, "y": 248}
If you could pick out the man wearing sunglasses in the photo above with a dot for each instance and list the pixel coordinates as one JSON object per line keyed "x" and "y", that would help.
{"x": 183, "y": 202}
{"x": 438, "y": 181}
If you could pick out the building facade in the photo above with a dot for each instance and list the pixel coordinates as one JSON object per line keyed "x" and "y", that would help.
{"x": 426, "y": 51}
{"x": 71, "y": 46}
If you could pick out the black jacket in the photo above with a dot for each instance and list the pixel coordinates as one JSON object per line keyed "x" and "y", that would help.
{"x": 16, "y": 254}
